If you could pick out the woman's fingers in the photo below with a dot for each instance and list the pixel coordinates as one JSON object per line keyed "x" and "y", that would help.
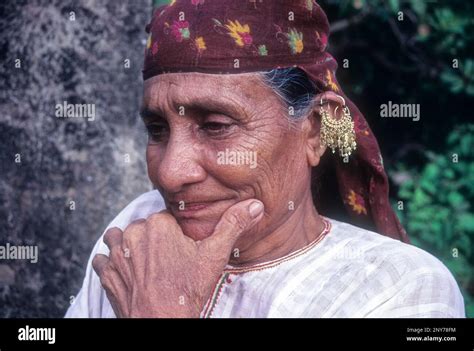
{"x": 121, "y": 261}
{"x": 99, "y": 262}
{"x": 113, "y": 284}
{"x": 135, "y": 246}
{"x": 113, "y": 237}
{"x": 116, "y": 291}
{"x": 119, "y": 255}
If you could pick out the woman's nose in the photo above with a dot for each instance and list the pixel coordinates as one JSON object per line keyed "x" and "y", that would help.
{"x": 180, "y": 166}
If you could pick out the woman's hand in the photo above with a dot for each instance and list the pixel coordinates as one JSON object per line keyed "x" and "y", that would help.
{"x": 154, "y": 270}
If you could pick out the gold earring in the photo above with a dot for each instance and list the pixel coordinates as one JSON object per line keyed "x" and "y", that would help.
{"x": 338, "y": 133}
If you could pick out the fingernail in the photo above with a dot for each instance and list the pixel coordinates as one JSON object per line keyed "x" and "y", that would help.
{"x": 255, "y": 208}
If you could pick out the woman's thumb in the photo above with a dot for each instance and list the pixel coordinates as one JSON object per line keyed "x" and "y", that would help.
{"x": 236, "y": 220}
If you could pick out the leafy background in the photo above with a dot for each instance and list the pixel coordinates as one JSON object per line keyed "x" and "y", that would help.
{"x": 431, "y": 161}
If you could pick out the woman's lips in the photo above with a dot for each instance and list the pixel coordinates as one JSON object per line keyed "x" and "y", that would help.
{"x": 199, "y": 209}
{"x": 195, "y": 206}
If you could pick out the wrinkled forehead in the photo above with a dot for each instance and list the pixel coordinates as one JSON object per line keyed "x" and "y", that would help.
{"x": 191, "y": 80}
{"x": 188, "y": 87}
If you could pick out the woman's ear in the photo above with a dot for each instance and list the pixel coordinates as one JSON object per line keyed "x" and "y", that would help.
{"x": 312, "y": 125}
{"x": 314, "y": 148}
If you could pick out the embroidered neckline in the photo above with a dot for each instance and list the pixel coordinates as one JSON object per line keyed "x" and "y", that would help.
{"x": 278, "y": 261}
{"x": 225, "y": 277}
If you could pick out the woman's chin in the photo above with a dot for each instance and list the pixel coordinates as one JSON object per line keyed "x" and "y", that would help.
{"x": 196, "y": 229}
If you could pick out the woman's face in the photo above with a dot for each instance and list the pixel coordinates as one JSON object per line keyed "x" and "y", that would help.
{"x": 216, "y": 140}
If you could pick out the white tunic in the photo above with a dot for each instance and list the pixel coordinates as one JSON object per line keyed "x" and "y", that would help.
{"x": 348, "y": 272}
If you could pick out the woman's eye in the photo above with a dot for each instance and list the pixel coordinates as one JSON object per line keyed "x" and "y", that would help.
{"x": 157, "y": 132}
{"x": 215, "y": 126}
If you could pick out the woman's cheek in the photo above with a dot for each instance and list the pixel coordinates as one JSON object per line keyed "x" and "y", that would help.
{"x": 153, "y": 157}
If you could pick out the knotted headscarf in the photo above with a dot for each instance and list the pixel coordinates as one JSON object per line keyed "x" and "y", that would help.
{"x": 238, "y": 36}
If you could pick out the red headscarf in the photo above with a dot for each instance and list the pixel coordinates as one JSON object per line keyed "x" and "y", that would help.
{"x": 237, "y": 36}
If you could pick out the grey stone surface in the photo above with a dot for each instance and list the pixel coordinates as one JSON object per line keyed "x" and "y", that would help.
{"x": 66, "y": 159}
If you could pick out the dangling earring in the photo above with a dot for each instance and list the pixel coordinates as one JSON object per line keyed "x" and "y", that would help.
{"x": 338, "y": 133}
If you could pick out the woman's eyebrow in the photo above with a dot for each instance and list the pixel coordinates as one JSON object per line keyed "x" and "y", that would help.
{"x": 213, "y": 105}
{"x": 202, "y": 105}
{"x": 147, "y": 113}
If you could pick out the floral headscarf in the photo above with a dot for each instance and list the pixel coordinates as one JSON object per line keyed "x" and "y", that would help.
{"x": 237, "y": 36}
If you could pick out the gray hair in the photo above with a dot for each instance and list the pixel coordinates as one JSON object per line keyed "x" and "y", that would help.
{"x": 294, "y": 88}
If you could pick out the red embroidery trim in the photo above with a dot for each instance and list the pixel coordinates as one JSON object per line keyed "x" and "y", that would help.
{"x": 278, "y": 261}
{"x": 209, "y": 308}
{"x": 212, "y": 302}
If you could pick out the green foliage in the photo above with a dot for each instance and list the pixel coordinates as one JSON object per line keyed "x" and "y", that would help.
{"x": 424, "y": 56}
{"x": 158, "y": 3}
{"x": 462, "y": 80}
{"x": 438, "y": 207}
{"x": 429, "y": 37}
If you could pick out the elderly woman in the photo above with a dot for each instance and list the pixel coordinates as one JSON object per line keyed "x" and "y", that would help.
{"x": 254, "y": 149}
